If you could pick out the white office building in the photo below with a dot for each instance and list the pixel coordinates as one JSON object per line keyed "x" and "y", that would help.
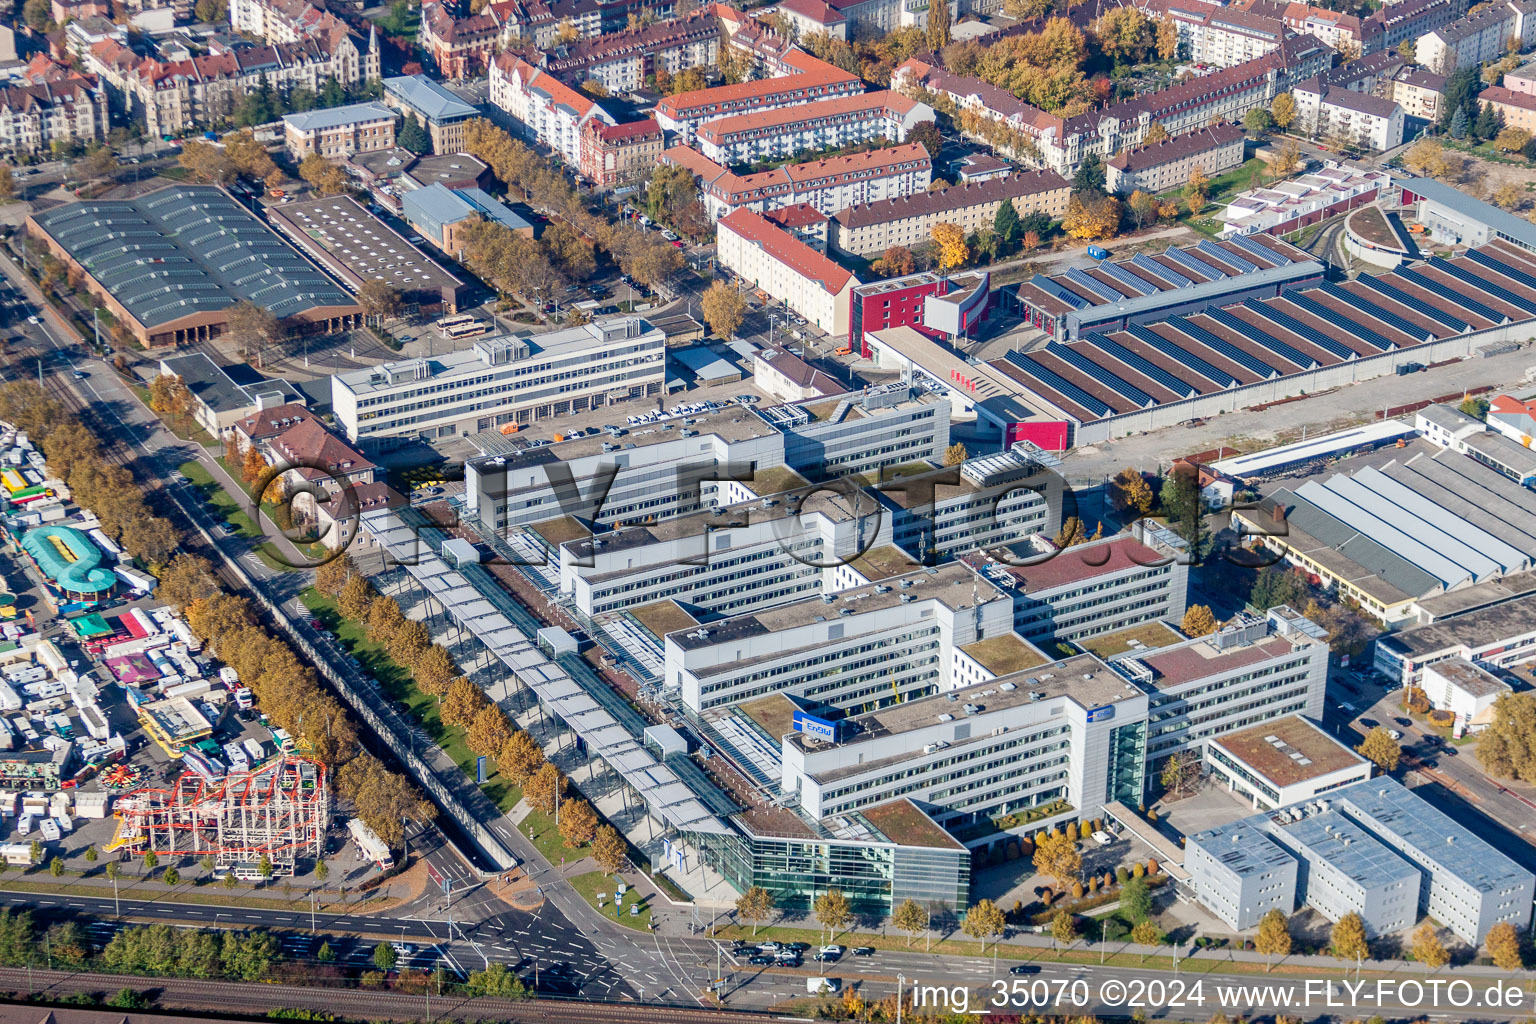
{"x": 501, "y": 380}
{"x": 855, "y": 650}
{"x": 1466, "y": 690}
{"x": 1360, "y": 847}
{"x": 1091, "y": 588}
{"x": 1004, "y": 498}
{"x": 731, "y": 559}
{"x": 1287, "y": 761}
{"x": 1249, "y": 672}
{"x": 1071, "y": 731}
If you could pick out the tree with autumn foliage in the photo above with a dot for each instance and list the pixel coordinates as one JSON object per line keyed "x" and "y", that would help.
{"x": 578, "y": 823}
{"x": 1092, "y": 216}
{"x": 1196, "y": 190}
{"x": 1198, "y": 621}
{"x": 950, "y": 240}
{"x": 894, "y": 262}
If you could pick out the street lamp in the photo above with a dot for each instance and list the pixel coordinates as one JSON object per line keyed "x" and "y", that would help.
{"x": 901, "y": 979}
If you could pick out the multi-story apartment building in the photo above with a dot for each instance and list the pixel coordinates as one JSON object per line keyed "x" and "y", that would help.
{"x": 34, "y": 117}
{"x": 810, "y": 16}
{"x": 811, "y": 127}
{"x": 811, "y": 80}
{"x": 1484, "y": 35}
{"x": 1168, "y": 164}
{"x": 1222, "y": 36}
{"x": 1372, "y": 848}
{"x": 1343, "y": 32}
{"x": 549, "y": 111}
{"x": 991, "y": 500}
{"x": 769, "y": 258}
{"x": 1250, "y": 671}
{"x": 176, "y": 96}
{"x": 1061, "y": 144}
{"x": 1407, "y": 20}
{"x": 457, "y": 47}
{"x": 730, "y": 560}
{"x": 830, "y": 185}
{"x": 442, "y": 113}
{"x": 1068, "y": 731}
{"x": 338, "y": 132}
{"x": 500, "y": 380}
{"x": 1518, "y": 109}
{"x": 1088, "y": 589}
{"x": 878, "y": 17}
{"x": 869, "y": 228}
{"x": 860, "y": 649}
{"x": 545, "y": 24}
{"x": 613, "y": 154}
{"x": 1364, "y": 120}
{"x": 622, "y": 61}
{"x": 1522, "y": 79}
{"x": 1418, "y": 92}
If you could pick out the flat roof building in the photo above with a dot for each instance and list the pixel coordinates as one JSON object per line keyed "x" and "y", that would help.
{"x": 500, "y": 380}
{"x": 1466, "y": 690}
{"x": 358, "y": 247}
{"x": 1500, "y": 635}
{"x": 1286, "y": 761}
{"x": 170, "y": 263}
{"x": 1452, "y": 216}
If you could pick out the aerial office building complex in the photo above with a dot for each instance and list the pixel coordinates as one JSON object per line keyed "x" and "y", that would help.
{"x": 1371, "y": 848}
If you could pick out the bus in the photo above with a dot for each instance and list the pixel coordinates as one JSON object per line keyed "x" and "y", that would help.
{"x": 463, "y": 326}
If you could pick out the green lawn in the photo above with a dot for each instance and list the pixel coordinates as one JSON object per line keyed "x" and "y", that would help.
{"x": 594, "y": 882}
{"x": 397, "y": 684}
{"x": 183, "y": 427}
{"x": 231, "y": 512}
{"x": 541, "y": 831}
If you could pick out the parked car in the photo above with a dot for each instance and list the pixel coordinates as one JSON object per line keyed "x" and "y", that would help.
{"x": 1103, "y": 838}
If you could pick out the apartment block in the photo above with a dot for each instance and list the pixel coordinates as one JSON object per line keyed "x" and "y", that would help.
{"x": 613, "y": 154}
{"x": 1518, "y": 109}
{"x": 835, "y": 123}
{"x": 1068, "y": 730}
{"x": 1251, "y": 671}
{"x": 35, "y": 117}
{"x": 500, "y": 380}
{"x": 550, "y": 112}
{"x": 1418, "y": 92}
{"x": 1484, "y": 35}
{"x": 856, "y": 650}
{"x": 1223, "y": 36}
{"x": 830, "y": 185}
{"x": 811, "y": 80}
{"x": 1169, "y": 164}
{"x": 769, "y": 258}
{"x": 339, "y": 132}
{"x": 1364, "y": 120}
{"x": 458, "y": 47}
{"x": 1407, "y": 20}
{"x": 869, "y": 228}
{"x": 1088, "y": 589}
{"x": 623, "y": 60}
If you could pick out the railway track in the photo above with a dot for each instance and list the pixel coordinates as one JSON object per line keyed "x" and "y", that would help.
{"x": 257, "y": 1000}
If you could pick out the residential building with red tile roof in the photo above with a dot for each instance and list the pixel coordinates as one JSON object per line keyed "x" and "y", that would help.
{"x": 1222, "y": 36}
{"x": 804, "y": 222}
{"x": 770, "y": 259}
{"x": 1517, "y": 108}
{"x": 622, "y": 61}
{"x": 549, "y": 110}
{"x": 311, "y": 454}
{"x": 809, "y": 16}
{"x": 813, "y": 80}
{"x": 834, "y": 123}
{"x": 612, "y": 154}
{"x": 829, "y": 185}
{"x": 871, "y": 228}
{"x": 457, "y": 47}
{"x": 265, "y": 424}
{"x": 336, "y": 518}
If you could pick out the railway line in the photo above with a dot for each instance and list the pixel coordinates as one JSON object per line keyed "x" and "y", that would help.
{"x": 257, "y": 1000}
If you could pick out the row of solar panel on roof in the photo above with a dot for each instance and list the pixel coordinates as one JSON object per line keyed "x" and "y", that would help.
{"x": 1216, "y": 252}
{"x": 1440, "y": 291}
{"x": 1025, "y": 362}
{"x": 1413, "y": 302}
{"x": 1143, "y": 262}
{"x": 1343, "y": 323}
{"x": 1465, "y": 276}
{"x": 1370, "y": 308}
{"x": 1498, "y": 266}
{"x": 1183, "y": 356}
{"x": 1230, "y": 351}
{"x": 1261, "y": 337}
{"x": 1100, "y": 374}
{"x": 1143, "y": 366}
